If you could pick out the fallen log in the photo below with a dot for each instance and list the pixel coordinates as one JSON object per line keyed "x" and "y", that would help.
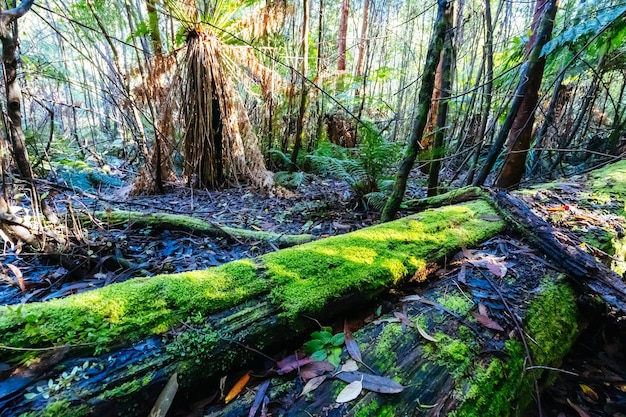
{"x": 474, "y": 344}
{"x": 566, "y": 251}
{"x": 195, "y": 323}
{"x": 163, "y": 221}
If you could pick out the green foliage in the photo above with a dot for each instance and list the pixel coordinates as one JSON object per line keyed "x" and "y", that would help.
{"x": 291, "y": 180}
{"x": 325, "y": 346}
{"x": 362, "y": 168}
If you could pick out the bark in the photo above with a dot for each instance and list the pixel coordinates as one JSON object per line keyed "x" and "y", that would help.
{"x": 200, "y": 335}
{"x": 304, "y": 46}
{"x": 529, "y": 69}
{"x": 445, "y": 69}
{"x": 343, "y": 33}
{"x": 163, "y": 221}
{"x": 426, "y": 91}
{"x": 522, "y": 127}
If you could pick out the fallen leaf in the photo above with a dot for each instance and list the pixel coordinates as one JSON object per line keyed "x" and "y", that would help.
{"x": 350, "y": 392}
{"x": 579, "y": 410}
{"x": 314, "y": 369}
{"x": 559, "y": 208}
{"x": 485, "y": 321}
{"x": 411, "y": 298}
{"x": 349, "y": 366}
{"x": 20, "y": 277}
{"x": 403, "y": 318}
{"x": 351, "y": 345}
{"x": 462, "y": 274}
{"x": 237, "y": 388}
{"x": 589, "y": 392}
{"x": 496, "y": 268}
{"x": 387, "y": 320}
{"x": 258, "y": 399}
{"x": 423, "y": 333}
{"x": 164, "y": 402}
{"x": 490, "y": 218}
{"x": 312, "y": 384}
{"x": 482, "y": 309}
{"x": 375, "y": 383}
{"x": 621, "y": 387}
{"x": 291, "y": 363}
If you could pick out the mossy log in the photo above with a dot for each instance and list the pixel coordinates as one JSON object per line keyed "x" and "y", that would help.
{"x": 470, "y": 370}
{"x": 460, "y": 195}
{"x": 104, "y": 352}
{"x": 163, "y": 221}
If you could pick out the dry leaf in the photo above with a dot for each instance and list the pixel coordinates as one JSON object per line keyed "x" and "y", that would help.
{"x": 387, "y": 320}
{"x": 258, "y": 399}
{"x": 485, "y": 321}
{"x": 490, "y": 218}
{"x": 496, "y": 268}
{"x": 237, "y": 388}
{"x": 350, "y": 392}
{"x": 351, "y": 345}
{"x": 403, "y": 318}
{"x": 579, "y": 410}
{"x": 462, "y": 274}
{"x": 482, "y": 309}
{"x": 349, "y": 366}
{"x": 314, "y": 369}
{"x": 312, "y": 384}
{"x": 423, "y": 333}
{"x": 589, "y": 392}
{"x": 375, "y": 383}
{"x": 163, "y": 403}
{"x": 291, "y": 363}
{"x": 20, "y": 277}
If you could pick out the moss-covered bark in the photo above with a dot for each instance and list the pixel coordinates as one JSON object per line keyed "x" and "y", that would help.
{"x": 181, "y": 222}
{"x": 226, "y": 303}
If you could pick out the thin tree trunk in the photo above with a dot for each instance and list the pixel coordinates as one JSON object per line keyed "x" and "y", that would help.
{"x": 531, "y": 70}
{"x": 343, "y": 34}
{"x": 303, "y": 87}
{"x": 442, "y": 111}
{"x": 521, "y": 130}
{"x": 426, "y": 91}
{"x": 480, "y": 137}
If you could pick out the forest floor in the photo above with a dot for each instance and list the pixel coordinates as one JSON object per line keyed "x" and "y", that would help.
{"x": 593, "y": 381}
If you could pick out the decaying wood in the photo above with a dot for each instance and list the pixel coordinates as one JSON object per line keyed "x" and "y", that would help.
{"x": 461, "y": 195}
{"x": 566, "y": 252}
{"x": 203, "y": 347}
{"x": 164, "y": 221}
{"x": 436, "y": 383}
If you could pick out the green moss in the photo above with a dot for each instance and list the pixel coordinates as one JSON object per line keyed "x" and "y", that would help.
{"x": 60, "y": 408}
{"x": 367, "y": 409}
{"x": 491, "y": 389}
{"x": 306, "y": 277}
{"x": 126, "y": 388}
{"x": 133, "y": 309}
{"x": 457, "y": 303}
{"x": 302, "y": 280}
{"x": 456, "y": 355}
{"x": 385, "y": 358}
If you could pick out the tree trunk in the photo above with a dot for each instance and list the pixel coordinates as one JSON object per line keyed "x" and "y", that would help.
{"x": 343, "y": 34}
{"x": 304, "y": 46}
{"x": 426, "y": 91}
{"x": 522, "y": 127}
{"x": 445, "y": 65}
{"x": 542, "y": 34}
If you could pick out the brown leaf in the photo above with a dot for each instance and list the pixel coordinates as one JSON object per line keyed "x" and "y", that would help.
{"x": 579, "y": 410}
{"x": 164, "y": 402}
{"x": 314, "y": 369}
{"x": 482, "y": 309}
{"x": 485, "y": 321}
{"x": 350, "y": 392}
{"x": 423, "y": 333}
{"x": 387, "y": 320}
{"x": 20, "y": 277}
{"x": 312, "y": 384}
{"x": 291, "y": 363}
{"x": 403, "y": 318}
{"x": 496, "y": 268}
{"x": 349, "y": 366}
{"x": 351, "y": 345}
{"x": 371, "y": 382}
{"x": 237, "y": 388}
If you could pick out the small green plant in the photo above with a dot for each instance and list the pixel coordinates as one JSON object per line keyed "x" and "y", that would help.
{"x": 63, "y": 382}
{"x": 325, "y": 346}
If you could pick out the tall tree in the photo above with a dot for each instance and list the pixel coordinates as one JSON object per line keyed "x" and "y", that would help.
{"x": 426, "y": 91}
{"x": 304, "y": 46}
{"x": 519, "y": 122}
{"x": 444, "y": 69}
{"x": 343, "y": 35}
